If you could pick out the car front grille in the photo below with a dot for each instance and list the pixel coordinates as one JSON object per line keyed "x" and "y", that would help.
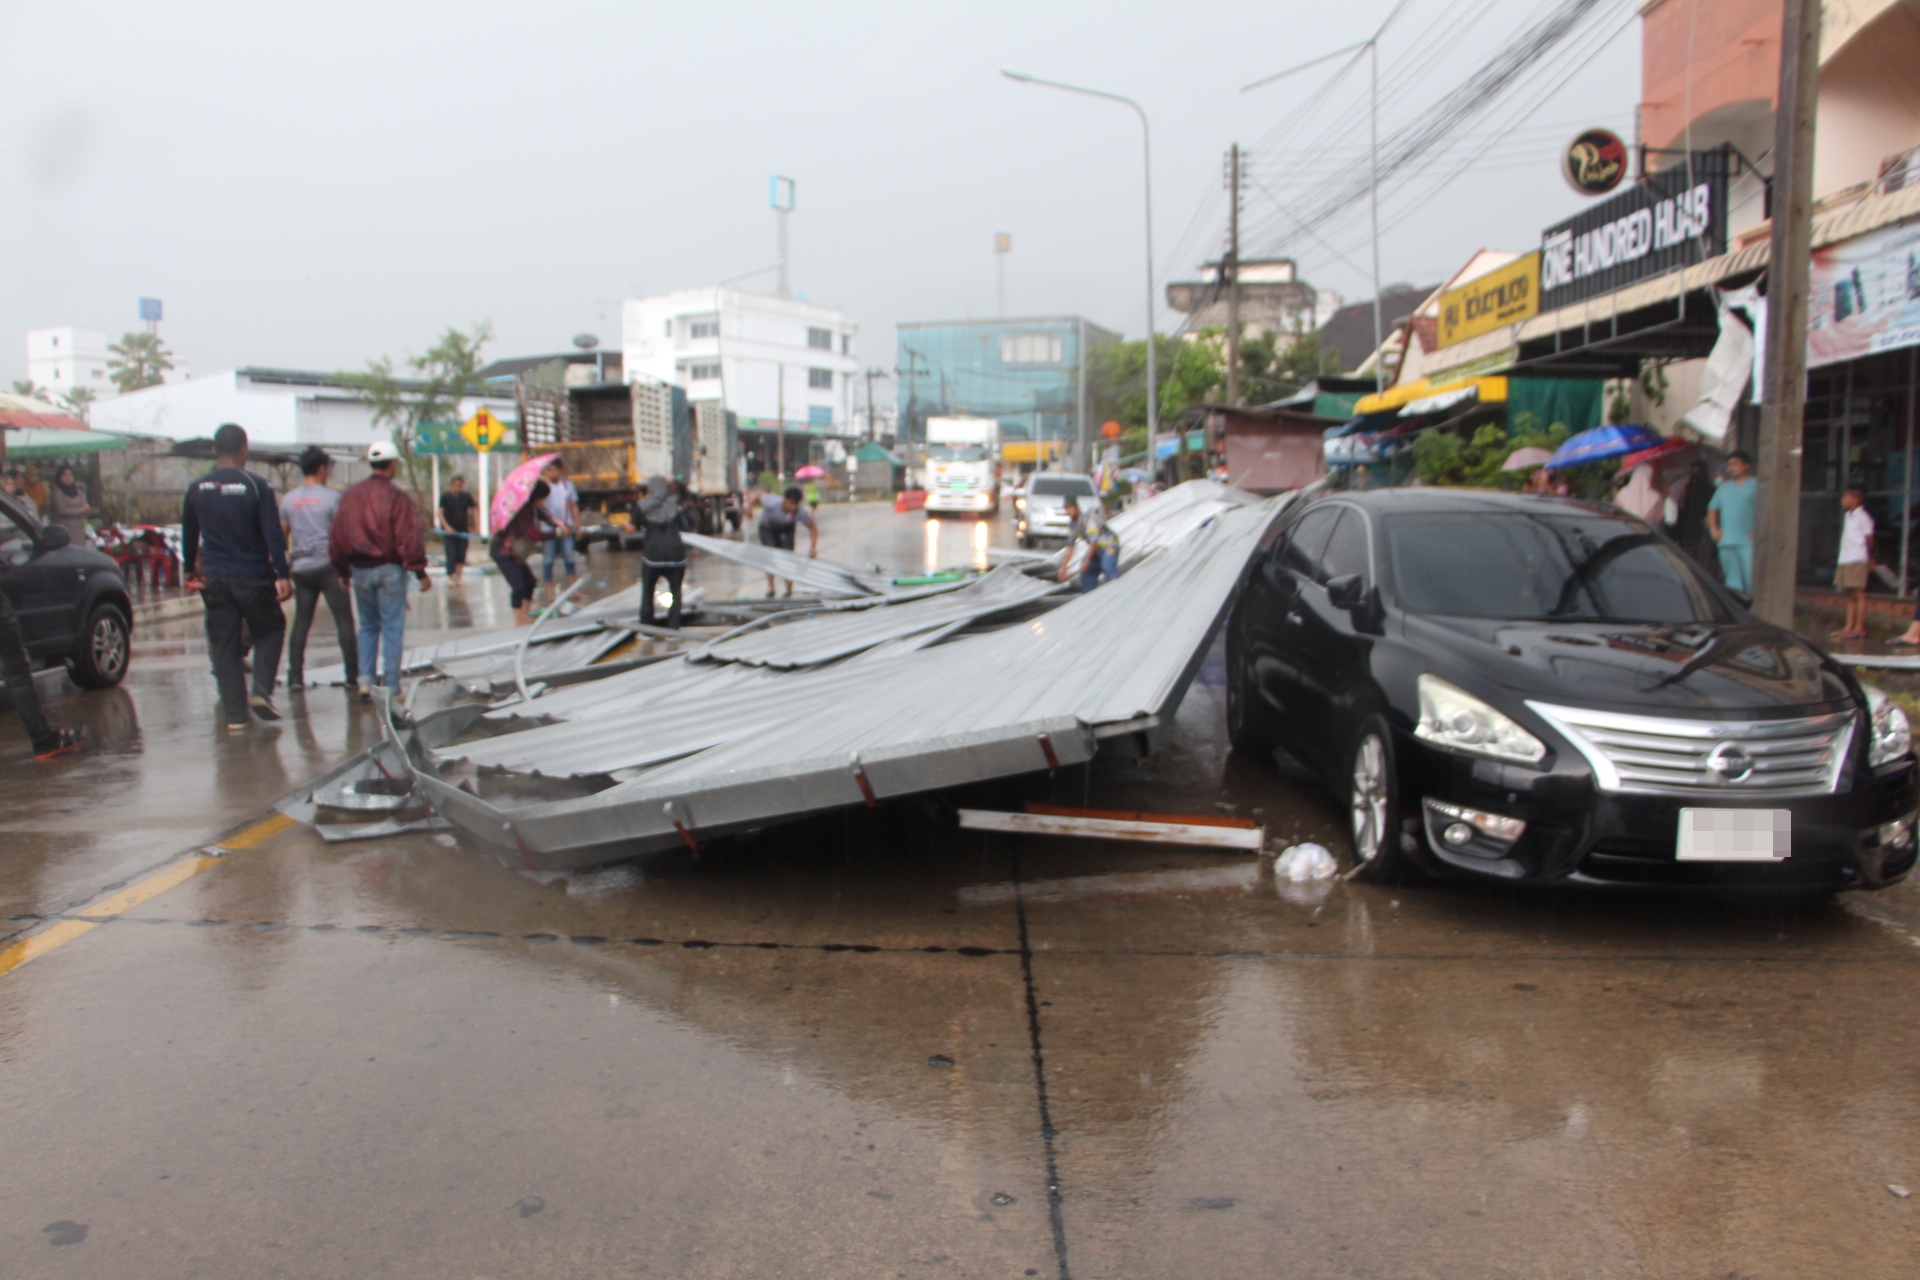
{"x": 1655, "y": 755}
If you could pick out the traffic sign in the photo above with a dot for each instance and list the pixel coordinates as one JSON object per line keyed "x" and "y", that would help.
{"x": 483, "y": 430}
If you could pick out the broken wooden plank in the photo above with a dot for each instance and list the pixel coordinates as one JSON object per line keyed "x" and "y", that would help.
{"x": 1129, "y": 815}
{"x": 1046, "y": 824}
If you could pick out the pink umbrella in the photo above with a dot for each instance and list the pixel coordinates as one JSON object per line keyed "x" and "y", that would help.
{"x": 808, "y": 473}
{"x": 1526, "y": 459}
{"x": 515, "y": 489}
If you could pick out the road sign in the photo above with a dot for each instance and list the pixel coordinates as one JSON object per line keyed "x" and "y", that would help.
{"x": 483, "y": 430}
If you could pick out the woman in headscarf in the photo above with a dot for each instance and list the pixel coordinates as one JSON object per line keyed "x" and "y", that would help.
{"x": 663, "y": 557}
{"x": 67, "y": 505}
{"x": 513, "y": 545}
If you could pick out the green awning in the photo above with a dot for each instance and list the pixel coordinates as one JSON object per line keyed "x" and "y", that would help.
{"x": 54, "y": 442}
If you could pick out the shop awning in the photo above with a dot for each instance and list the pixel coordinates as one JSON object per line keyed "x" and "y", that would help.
{"x": 59, "y": 442}
{"x": 1402, "y": 397}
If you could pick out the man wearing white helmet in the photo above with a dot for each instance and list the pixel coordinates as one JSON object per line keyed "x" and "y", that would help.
{"x": 376, "y": 541}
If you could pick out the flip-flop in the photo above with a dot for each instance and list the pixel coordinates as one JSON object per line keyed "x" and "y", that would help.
{"x": 1902, "y": 640}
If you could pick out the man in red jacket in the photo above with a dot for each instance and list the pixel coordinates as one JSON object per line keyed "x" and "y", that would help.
{"x": 375, "y": 542}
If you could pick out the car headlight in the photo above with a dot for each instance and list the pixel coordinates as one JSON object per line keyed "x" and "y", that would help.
{"x": 1892, "y": 735}
{"x": 1455, "y": 719}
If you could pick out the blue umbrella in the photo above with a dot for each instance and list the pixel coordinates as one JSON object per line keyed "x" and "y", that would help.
{"x": 1602, "y": 443}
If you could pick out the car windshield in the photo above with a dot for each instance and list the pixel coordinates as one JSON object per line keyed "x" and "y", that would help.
{"x": 1524, "y": 567}
{"x": 956, "y": 453}
{"x": 1060, "y": 487}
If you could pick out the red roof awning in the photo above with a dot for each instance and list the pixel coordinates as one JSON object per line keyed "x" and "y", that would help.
{"x": 17, "y": 418}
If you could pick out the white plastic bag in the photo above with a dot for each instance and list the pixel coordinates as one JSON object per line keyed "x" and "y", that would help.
{"x": 1303, "y": 862}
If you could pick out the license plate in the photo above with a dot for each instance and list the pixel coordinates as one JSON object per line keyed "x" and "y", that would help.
{"x": 1735, "y": 835}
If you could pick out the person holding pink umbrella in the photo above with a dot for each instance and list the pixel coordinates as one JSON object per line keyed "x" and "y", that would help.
{"x": 512, "y": 550}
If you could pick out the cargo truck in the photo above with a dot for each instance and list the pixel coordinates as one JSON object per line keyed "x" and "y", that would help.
{"x": 963, "y": 465}
{"x": 613, "y": 436}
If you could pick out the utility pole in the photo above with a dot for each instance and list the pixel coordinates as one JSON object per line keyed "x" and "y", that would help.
{"x": 1783, "y": 407}
{"x": 1231, "y": 270}
{"x": 873, "y": 421}
{"x": 780, "y": 439}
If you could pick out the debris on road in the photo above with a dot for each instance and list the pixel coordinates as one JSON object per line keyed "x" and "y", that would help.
{"x": 1202, "y": 835}
{"x": 870, "y": 693}
{"x": 1304, "y": 862}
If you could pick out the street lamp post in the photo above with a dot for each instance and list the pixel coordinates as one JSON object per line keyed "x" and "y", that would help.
{"x": 1146, "y": 154}
{"x": 1371, "y": 46}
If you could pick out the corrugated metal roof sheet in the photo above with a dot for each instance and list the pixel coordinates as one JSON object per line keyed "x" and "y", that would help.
{"x": 701, "y": 748}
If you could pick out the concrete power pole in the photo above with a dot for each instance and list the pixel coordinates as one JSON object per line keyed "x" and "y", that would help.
{"x": 1002, "y": 246}
{"x": 1783, "y": 407}
{"x": 1231, "y": 270}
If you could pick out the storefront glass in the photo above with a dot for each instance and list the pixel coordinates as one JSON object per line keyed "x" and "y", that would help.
{"x": 1862, "y": 427}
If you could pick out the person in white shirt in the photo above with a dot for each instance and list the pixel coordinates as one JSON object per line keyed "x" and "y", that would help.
{"x": 561, "y": 512}
{"x": 1856, "y": 560}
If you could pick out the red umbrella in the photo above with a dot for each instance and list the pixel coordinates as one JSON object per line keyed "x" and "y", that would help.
{"x": 515, "y": 489}
{"x": 1665, "y": 449}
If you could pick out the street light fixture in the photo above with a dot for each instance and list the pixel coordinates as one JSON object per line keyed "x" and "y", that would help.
{"x": 1146, "y": 152}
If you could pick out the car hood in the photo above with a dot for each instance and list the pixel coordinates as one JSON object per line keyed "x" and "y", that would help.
{"x": 1703, "y": 668}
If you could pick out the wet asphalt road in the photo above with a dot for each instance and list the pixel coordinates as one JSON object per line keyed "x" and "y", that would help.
{"x": 875, "y": 1046}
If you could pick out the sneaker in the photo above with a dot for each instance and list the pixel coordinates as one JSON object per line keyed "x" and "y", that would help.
{"x": 237, "y": 726}
{"x": 263, "y": 707}
{"x": 64, "y": 741}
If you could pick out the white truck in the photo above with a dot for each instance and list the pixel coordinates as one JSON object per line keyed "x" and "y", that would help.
{"x": 963, "y": 465}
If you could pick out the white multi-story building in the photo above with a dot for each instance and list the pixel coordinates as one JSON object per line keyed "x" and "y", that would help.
{"x": 62, "y": 359}
{"x": 767, "y": 359}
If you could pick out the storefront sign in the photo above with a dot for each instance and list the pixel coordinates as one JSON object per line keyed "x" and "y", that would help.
{"x": 1595, "y": 162}
{"x": 1483, "y": 304}
{"x": 1676, "y": 218}
{"x": 1865, "y": 296}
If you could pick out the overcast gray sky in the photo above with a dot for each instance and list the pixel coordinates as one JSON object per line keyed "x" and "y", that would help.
{"x": 313, "y": 185}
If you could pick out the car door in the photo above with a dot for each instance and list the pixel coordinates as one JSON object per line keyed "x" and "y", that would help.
{"x": 1331, "y": 649}
{"x": 42, "y": 596}
{"x": 1273, "y": 617}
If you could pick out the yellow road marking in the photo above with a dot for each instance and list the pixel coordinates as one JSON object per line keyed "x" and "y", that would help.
{"x": 120, "y": 901}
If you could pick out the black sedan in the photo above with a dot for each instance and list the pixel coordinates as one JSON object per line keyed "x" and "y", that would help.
{"x": 1538, "y": 689}
{"x": 71, "y": 601}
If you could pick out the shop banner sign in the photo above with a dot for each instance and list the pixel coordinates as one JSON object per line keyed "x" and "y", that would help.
{"x": 1865, "y": 296}
{"x": 1677, "y": 218}
{"x": 1487, "y": 302}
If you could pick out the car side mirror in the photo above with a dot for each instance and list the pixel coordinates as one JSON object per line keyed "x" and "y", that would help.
{"x": 1348, "y": 591}
{"x": 54, "y": 537}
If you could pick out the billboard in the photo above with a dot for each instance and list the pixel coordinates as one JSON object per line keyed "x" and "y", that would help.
{"x": 1865, "y": 296}
{"x": 1676, "y": 218}
{"x": 1487, "y": 302}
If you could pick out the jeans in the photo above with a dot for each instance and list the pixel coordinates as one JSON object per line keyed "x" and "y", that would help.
{"x": 17, "y": 669}
{"x": 1104, "y": 566}
{"x": 556, "y": 548}
{"x": 309, "y": 585}
{"x": 1736, "y": 566}
{"x": 519, "y": 576}
{"x": 650, "y": 574}
{"x": 234, "y": 604}
{"x": 380, "y": 594}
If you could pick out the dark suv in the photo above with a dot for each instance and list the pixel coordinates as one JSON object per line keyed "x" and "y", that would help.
{"x": 1538, "y": 689}
{"x": 71, "y": 601}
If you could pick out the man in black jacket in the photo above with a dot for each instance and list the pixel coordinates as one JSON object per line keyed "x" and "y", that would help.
{"x": 236, "y": 557}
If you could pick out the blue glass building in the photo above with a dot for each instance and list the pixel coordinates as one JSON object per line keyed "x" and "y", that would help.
{"x": 1030, "y": 374}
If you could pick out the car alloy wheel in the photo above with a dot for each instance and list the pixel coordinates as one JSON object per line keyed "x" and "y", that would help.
{"x": 108, "y": 641}
{"x": 1372, "y": 800}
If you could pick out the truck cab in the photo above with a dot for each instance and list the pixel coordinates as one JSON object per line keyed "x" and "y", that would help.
{"x": 963, "y": 466}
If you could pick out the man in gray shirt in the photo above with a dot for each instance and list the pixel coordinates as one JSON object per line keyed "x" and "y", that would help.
{"x": 306, "y": 515}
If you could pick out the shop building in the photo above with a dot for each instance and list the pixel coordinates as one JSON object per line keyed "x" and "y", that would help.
{"x": 1649, "y": 280}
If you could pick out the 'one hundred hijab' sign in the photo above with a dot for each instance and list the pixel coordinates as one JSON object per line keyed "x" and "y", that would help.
{"x": 1676, "y": 218}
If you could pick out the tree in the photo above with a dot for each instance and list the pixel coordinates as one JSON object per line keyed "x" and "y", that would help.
{"x": 1191, "y": 371}
{"x": 445, "y": 375}
{"x": 25, "y": 387}
{"x": 79, "y": 402}
{"x": 1270, "y": 372}
{"x": 138, "y": 360}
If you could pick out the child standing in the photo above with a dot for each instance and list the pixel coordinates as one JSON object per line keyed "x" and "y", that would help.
{"x": 1856, "y": 560}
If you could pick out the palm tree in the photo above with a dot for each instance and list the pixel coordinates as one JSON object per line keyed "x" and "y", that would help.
{"x": 79, "y": 402}
{"x": 138, "y": 360}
